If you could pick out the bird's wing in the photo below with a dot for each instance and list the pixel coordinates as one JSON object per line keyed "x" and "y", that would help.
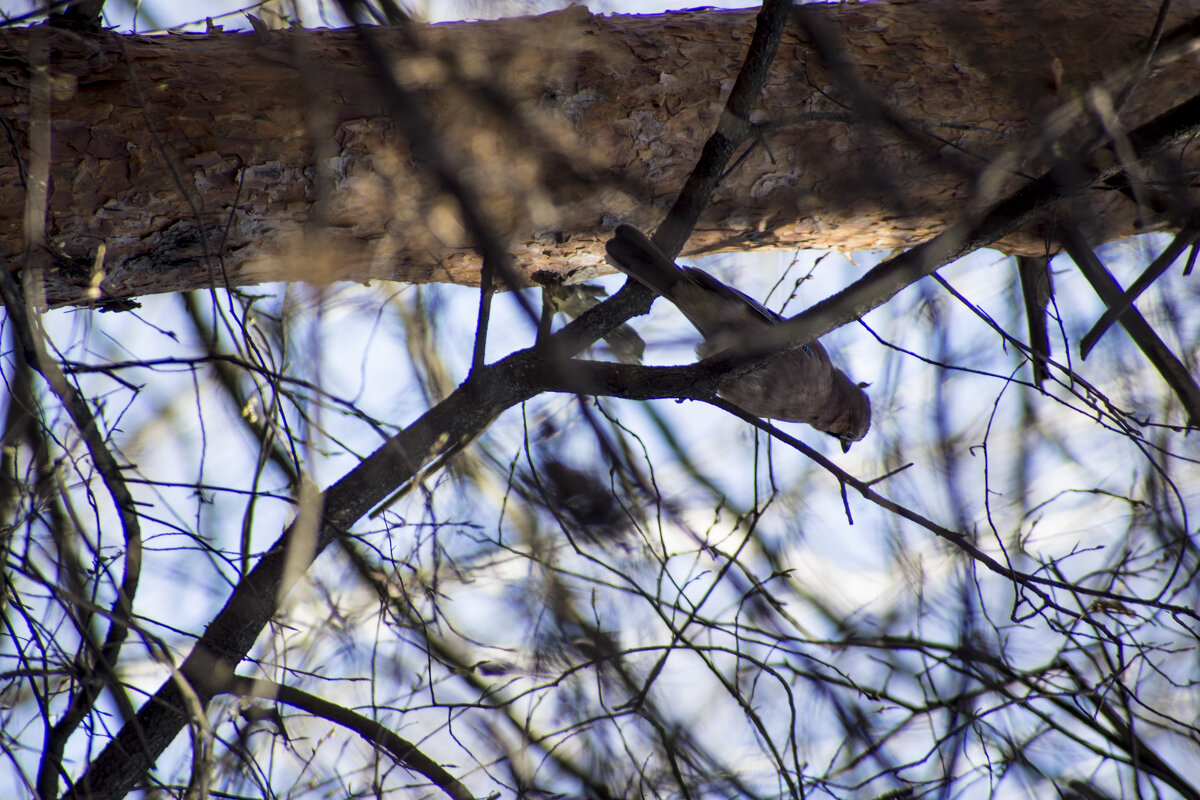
{"x": 716, "y": 309}
{"x": 731, "y": 294}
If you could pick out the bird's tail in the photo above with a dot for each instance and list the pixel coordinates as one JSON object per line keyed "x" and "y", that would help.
{"x": 634, "y": 254}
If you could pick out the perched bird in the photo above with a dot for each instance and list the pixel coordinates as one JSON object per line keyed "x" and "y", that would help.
{"x": 800, "y": 386}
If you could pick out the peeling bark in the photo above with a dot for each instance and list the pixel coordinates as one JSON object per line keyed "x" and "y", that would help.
{"x": 198, "y": 160}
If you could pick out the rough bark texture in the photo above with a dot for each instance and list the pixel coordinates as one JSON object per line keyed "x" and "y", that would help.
{"x": 202, "y": 159}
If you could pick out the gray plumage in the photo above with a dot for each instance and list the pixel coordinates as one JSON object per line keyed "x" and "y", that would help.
{"x": 801, "y": 386}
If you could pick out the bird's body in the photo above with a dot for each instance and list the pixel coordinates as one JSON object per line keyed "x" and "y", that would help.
{"x": 800, "y": 386}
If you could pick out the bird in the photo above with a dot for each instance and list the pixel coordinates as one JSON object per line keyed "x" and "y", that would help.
{"x": 800, "y": 386}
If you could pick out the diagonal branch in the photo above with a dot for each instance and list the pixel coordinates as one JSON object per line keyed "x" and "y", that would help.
{"x": 464, "y": 415}
{"x": 1150, "y": 343}
{"x": 731, "y": 131}
{"x": 1182, "y": 241}
{"x": 405, "y": 752}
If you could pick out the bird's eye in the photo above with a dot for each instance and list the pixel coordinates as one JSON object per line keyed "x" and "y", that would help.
{"x": 806, "y": 350}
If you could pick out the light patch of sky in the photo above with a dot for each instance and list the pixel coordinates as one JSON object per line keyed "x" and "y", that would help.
{"x": 153, "y": 15}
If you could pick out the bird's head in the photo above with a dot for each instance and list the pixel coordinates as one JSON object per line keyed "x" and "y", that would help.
{"x": 853, "y": 418}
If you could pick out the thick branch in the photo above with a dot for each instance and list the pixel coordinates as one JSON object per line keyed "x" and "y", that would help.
{"x": 570, "y": 122}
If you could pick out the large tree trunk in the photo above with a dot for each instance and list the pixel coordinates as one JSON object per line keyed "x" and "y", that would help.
{"x": 194, "y": 160}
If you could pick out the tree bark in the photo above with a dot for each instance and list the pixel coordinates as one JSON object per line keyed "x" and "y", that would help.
{"x": 186, "y": 161}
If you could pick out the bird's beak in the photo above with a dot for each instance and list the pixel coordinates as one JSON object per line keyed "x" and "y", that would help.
{"x": 846, "y": 445}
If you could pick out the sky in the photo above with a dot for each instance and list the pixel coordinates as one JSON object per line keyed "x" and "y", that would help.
{"x": 158, "y": 14}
